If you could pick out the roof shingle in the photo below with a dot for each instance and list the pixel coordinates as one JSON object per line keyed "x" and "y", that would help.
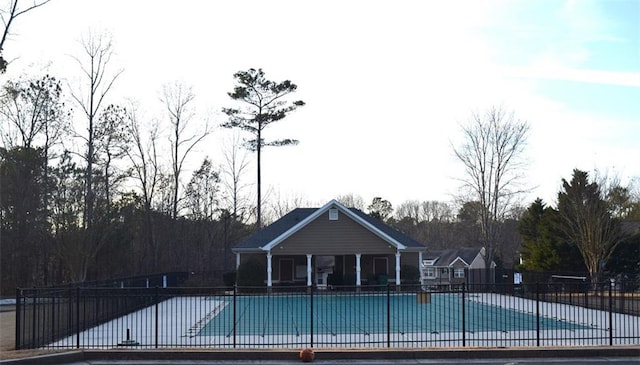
{"x": 446, "y": 257}
{"x": 282, "y": 225}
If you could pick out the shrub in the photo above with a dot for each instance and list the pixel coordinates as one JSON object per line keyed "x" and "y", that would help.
{"x": 349, "y": 279}
{"x": 409, "y": 274}
{"x": 229, "y": 278}
{"x": 252, "y": 272}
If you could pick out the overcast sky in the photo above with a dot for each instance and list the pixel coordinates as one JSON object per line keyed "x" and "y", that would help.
{"x": 386, "y": 82}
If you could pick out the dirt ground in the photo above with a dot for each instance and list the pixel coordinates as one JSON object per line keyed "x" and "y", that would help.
{"x": 8, "y": 338}
{"x": 7, "y": 330}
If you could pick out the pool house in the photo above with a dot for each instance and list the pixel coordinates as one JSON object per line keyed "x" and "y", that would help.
{"x": 331, "y": 245}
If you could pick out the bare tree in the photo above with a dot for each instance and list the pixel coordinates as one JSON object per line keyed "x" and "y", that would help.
{"x": 147, "y": 172}
{"x": 623, "y": 201}
{"x": 201, "y": 192}
{"x": 143, "y": 155}
{"x": 95, "y": 82}
{"x": 285, "y": 204}
{"x": 436, "y": 211}
{"x": 351, "y": 201}
{"x": 492, "y": 155}
{"x": 426, "y": 211}
{"x": 8, "y": 16}
{"x": 409, "y": 210}
{"x": 96, "y": 56}
{"x": 112, "y": 141}
{"x": 178, "y": 98}
{"x": 234, "y": 167}
{"x": 31, "y": 112}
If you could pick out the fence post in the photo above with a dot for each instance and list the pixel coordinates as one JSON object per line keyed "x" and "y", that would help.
{"x": 537, "y": 314}
{"x": 586, "y": 296}
{"x": 235, "y": 297}
{"x": 464, "y": 325}
{"x": 621, "y": 298}
{"x": 78, "y": 317}
{"x": 311, "y": 315}
{"x": 34, "y": 336}
{"x": 53, "y": 317}
{"x": 388, "y": 316}
{"x": 610, "y": 313}
{"x": 155, "y": 299}
{"x": 18, "y": 317}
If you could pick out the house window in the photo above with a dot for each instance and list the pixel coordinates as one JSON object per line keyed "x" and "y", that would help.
{"x": 458, "y": 273}
{"x": 430, "y": 272}
{"x": 428, "y": 262}
{"x": 444, "y": 272}
{"x": 333, "y": 214}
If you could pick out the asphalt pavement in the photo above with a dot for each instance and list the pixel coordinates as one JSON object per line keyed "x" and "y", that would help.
{"x": 623, "y": 355}
{"x": 546, "y": 361}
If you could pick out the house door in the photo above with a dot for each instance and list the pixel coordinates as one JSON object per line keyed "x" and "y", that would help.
{"x": 286, "y": 270}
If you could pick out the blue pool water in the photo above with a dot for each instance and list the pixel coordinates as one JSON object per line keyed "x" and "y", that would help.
{"x": 334, "y": 314}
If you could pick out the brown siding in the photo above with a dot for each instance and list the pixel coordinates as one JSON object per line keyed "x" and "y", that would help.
{"x": 248, "y": 256}
{"x": 325, "y": 237}
{"x": 408, "y": 258}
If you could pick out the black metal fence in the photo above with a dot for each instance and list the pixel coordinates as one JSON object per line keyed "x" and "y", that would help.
{"x": 294, "y": 317}
{"x": 164, "y": 279}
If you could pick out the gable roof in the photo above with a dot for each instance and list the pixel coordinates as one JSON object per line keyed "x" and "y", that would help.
{"x": 448, "y": 257}
{"x": 272, "y": 231}
{"x": 292, "y": 222}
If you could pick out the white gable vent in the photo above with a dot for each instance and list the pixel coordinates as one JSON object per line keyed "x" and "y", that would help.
{"x": 333, "y": 214}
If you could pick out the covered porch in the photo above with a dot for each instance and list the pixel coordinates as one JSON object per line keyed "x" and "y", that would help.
{"x": 328, "y": 271}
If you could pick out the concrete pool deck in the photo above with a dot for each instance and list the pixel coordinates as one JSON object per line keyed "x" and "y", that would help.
{"x": 183, "y": 330}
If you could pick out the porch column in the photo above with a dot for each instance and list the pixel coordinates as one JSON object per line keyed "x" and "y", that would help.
{"x": 358, "y": 255}
{"x": 237, "y": 261}
{"x": 397, "y": 267}
{"x": 269, "y": 282}
{"x": 420, "y": 269}
{"x": 309, "y": 269}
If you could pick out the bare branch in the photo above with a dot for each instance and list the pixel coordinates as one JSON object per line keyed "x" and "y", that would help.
{"x": 14, "y": 13}
{"x": 178, "y": 99}
{"x": 491, "y": 153}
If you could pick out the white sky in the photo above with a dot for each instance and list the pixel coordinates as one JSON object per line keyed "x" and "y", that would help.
{"x": 386, "y": 82}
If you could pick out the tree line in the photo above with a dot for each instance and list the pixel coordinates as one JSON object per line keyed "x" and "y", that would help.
{"x": 593, "y": 227}
{"x": 88, "y": 192}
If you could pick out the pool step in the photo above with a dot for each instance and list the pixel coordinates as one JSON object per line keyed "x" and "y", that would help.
{"x": 199, "y": 325}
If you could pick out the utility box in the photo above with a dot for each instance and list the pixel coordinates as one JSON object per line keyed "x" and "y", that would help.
{"x": 423, "y": 298}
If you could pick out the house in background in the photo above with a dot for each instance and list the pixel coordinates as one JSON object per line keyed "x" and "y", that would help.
{"x": 452, "y": 267}
{"x": 314, "y": 246}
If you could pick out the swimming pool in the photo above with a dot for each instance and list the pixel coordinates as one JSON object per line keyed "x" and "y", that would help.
{"x": 336, "y": 314}
{"x": 335, "y": 319}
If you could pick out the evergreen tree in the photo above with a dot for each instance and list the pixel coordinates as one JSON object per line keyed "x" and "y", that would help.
{"x": 543, "y": 247}
{"x": 586, "y": 222}
{"x": 263, "y": 104}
